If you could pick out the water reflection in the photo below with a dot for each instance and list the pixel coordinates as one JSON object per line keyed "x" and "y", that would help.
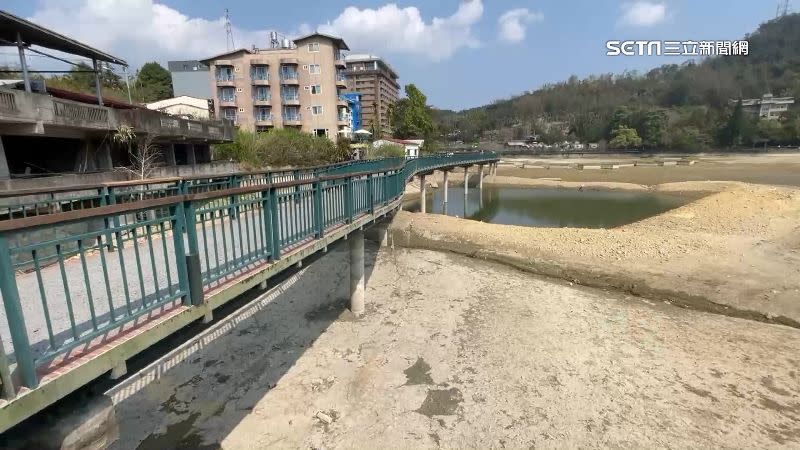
{"x": 555, "y": 207}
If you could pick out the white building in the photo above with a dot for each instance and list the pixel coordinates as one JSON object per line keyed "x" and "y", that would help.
{"x": 412, "y": 146}
{"x": 766, "y": 107}
{"x": 184, "y": 106}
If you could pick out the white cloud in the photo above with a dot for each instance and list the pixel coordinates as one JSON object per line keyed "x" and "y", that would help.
{"x": 140, "y": 30}
{"x": 143, "y": 30}
{"x": 513, "y": 24}
{"x": 403, "y": 30}
{"x": 643, "y": 13}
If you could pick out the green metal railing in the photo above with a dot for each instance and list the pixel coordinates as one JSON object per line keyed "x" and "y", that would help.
{"x": 95, "y": 272}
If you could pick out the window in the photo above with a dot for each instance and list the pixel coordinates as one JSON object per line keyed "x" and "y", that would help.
{"x": 314, "y": 69}
{"x": 321, "y": 132}
{"x": 259, "y": 73}
{"x": 313, "y": 47}
{"x": 316, "y": 110}
{"x": 289, "y": 93}
{"x": 261, "y": 93}
{"x": 224, "y": 73}
{"x": 227, "y": 94}
{"x": 263, "y": 114}
{"x": 316, "y": 89}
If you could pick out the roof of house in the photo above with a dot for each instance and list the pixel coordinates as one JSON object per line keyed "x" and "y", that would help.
{"x": 336, "y": 39}
{"x": 365, "y": 57}
{"x": 32, "y": 34}
{"x": 402, "y": 141}
{"x": 208, "y": 60}
{"x": 186, "y": 100}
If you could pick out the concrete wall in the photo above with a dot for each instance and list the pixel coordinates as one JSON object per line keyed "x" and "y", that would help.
{"x": 194, "y": 84}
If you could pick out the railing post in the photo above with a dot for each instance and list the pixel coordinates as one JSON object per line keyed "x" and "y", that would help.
{"x": 103, "y": 193}
{"x": 179, "y": 224}
{"x": 274, "y": 223}
{"x": 9, "y": 391}
{"x": 266, "y": 221}
{"x": 348, "y": 198}
{"x": 193, "y": 268}
{"x": 15, "y": 318}
{"x": 370, "y": 195}
{"x": 319, "y": 214}
{"x": 233, "y": 211}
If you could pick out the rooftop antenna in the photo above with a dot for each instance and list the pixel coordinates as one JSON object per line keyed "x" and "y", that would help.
{"x": 783, "y": 8}
{"x": 229, "y": 31}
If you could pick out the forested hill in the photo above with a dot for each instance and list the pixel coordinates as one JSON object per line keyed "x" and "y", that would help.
{"x": 677, "y": 106}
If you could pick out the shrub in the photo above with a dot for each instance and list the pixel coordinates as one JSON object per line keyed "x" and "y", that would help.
{"x": 281, "y": 147}
{"x": 386, "y": 151}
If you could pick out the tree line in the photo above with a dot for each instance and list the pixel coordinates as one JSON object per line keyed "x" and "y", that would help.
{"x": 689, "y": 106}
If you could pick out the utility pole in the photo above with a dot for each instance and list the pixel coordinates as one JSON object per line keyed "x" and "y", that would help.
{"x": 127, "y": 83}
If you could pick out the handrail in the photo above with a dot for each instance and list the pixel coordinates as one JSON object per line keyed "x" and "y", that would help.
{"x": 48, "y": 219}
{"x": 77, "y": 290}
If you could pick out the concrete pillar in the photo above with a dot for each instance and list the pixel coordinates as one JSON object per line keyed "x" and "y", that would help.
{"x": 422, "y": 194}
{"x": 480, "y": 178}
{"x": 466, "y": 181}
{"x": 190, "y": 156}
{"x": 169, "y": 154}
{"x": 444, "y": 193}
{"x": 5, "y": 173}
{"x": 104, "y": 160}
{"x": 119, "y": 371}
{"x": 357, "y": 273}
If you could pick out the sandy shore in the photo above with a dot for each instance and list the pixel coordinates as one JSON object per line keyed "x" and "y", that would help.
{"x": 778, "y": 169}
{"x": 460, "y": 353}
{"x": 736, "y": 251}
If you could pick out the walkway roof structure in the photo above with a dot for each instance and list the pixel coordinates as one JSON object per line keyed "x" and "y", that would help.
{"x": 12, "y": 26}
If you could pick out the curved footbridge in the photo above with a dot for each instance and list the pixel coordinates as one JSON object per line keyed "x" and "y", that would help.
{"x": 92, "y": 275}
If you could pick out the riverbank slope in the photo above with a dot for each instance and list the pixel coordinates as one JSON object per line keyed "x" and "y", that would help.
{"x": 735, "y": 251}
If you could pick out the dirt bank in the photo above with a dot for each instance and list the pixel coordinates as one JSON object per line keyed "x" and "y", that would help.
{"x": 735, "y": 252}
{"x": 460, "y": 353}
{"x": 744, "y": 169}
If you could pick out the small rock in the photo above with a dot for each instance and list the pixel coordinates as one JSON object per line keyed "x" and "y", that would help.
{"x": 324, "y": 417}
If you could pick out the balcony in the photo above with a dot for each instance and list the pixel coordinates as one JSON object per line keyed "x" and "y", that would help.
{"x": 31, "y": 113}
{"x": 344, "y": 119}
{"x": 341, "y": 80}
{"x": 338, "y": 59}
{"x": 260, "y": 80}
{"x": 229, "y": 101}
{"x": 341, "y": 101}
{"x": 225, "y": 79}
{"x": 262, "y": 101}
{"x": 292, "y": 119}
{"x": 290, "y": 99}
{"x": 263, "y": 119}
{"x": 289, "y": 78}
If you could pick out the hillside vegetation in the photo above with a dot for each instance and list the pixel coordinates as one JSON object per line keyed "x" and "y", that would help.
{"x": 685, "y": 106}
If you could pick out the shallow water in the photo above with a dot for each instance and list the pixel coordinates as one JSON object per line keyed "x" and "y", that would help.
{"x": 538, "y": 207}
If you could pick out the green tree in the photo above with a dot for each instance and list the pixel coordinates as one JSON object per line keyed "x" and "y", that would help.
{"x": 411, "y": 117}
{"x": 735, "y": 129}
{"x": 153, "y": 82}
{"x": 624, "y": 137}
{"x": 653, "y": 128}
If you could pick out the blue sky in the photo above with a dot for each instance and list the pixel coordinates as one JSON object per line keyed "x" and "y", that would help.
{"x": 460, "y": 53}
